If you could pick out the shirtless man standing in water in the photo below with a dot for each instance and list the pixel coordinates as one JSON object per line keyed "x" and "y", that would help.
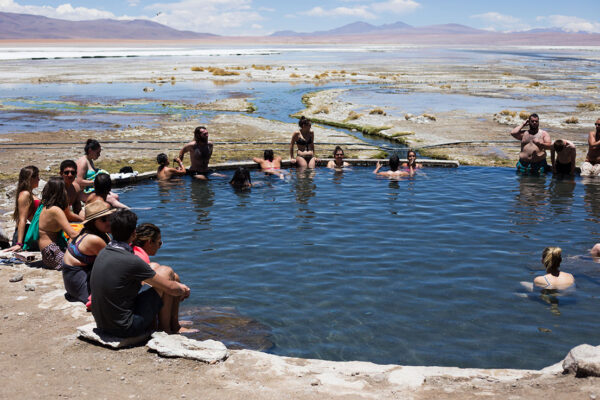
{"x": 591, "y": 166}
{"x": 534, "y": 143}
{"x": 200, "y": 150}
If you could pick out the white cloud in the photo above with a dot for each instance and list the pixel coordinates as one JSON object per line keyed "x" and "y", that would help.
{"x": 225, "y": 17}
{"x": 501, "y": 22}
{"x": 63, "y": 11}
{"x": 360, "y": 12}
{"x": 133, "y": 3}
{"x": 570, "y": 24}
{"x": 396, "y": 6}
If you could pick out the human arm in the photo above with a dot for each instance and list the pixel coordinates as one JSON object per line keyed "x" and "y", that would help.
{"x": 169, "y": 287}
{"x": 331, "y": 164}
{"x": 82, "y": 168}
{"x": 59, "y": 216}
{"x": 71, "y": 216}
{"x": 545, "y": 143}
{"x": 184, "y": 150}
{"x": 573, "y": 160}
{"x": 294, "y": 137}
{"x": 594, "y": 144}
{"x": 540, "y": 281}
{"x": 377, "y": 167}
{"x": 553, "y": 159}
{"x": 517, "y": 132}
{"x": 258, "y": 160}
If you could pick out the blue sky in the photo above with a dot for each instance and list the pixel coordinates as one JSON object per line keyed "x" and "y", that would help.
{"x": 260, "y": 17}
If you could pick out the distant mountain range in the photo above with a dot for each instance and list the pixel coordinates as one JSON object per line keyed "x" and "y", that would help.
{"x": 33, "y": 27}
{"x": 26, "y": 26}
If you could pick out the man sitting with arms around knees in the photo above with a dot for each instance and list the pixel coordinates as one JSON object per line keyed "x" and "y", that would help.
{"x": 534, "y": 143}
{"x": 118, "y": 306}
{"x": 563, "y": 155}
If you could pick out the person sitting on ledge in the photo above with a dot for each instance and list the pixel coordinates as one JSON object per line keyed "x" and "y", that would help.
{"x": 591, "y": 166}
{"x": 554, "y": 278}
{"x": 164, "y": 172}
{"x": 201, "y": 151}
{"x": 119, "y": 307}
{"x": 338, "y": 159}
{"x": 534, "y": 143}
{"x": 394, "y": 172}
{"x": 102, "y": 190}
{"x": 68, "y": 171}
{"x": 563, "y": 156}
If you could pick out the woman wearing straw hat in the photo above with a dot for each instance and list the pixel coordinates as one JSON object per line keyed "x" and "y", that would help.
{"x": 83, "y": 249}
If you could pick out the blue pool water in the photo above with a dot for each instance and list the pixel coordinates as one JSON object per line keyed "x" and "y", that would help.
{"x": 422, "y": 271}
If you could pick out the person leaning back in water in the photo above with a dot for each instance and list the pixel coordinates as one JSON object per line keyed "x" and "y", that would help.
{"x": 591, "y": 166}
{"x": 534, "y": 143}
{"x": 200, "y": 150}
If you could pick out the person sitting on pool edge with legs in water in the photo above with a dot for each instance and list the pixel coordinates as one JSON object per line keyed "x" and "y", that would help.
{"x": 338, "y": 159}
{"x": 102, "y": 190}
{"x": 200, "y": 150}
{"x": 304, "y": 139}
{"x": 591, "y": 166}
{"x": 164, "y": 172}
{"x": 118, "y": 306}
{"x": 394, "y": 172}
{"x": 563, "y": 156}
{"x": 554, "y": 278}
{"x": 534, "y": 143}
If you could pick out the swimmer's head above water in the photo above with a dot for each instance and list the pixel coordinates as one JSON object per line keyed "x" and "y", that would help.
{"x": 268, "y": 155}
{"x": 551, "y": 258}
{"x": 394, "y": 162}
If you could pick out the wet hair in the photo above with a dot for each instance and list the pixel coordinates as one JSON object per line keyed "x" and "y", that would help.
{"x": 102, "y": 185}
{"x": 303, "y": 121}
{"x": 551, "y": 258}
{"x": 25, "y": 176}
{"x": 408, "y": 153}
{"x": 162, "y": 161}
{"x": 68, "y": 164}
{"x": 55, "y": 193}
{"x": 144, "y": 233}
{"x": 534, "y": 115}
{"x": 241, "y": 178}
{"x": 559, "y": 145}
{"x": 198, "y": 133}
{"x": 268, "y": 155}
{"x": 394, "y": 162}
{"x": 122, "y": 225}
{"x": 91, "y": 144}
{"x": 337, "y": 148}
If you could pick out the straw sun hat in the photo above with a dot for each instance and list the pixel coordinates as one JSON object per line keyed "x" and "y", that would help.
{"x": 97, "y": 209}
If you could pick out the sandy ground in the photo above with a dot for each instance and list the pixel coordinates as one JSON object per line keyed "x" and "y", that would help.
{"x": 41, "y": 358}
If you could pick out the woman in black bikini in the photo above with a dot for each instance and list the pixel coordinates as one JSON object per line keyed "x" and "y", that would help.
{"x": 304, "y": 139}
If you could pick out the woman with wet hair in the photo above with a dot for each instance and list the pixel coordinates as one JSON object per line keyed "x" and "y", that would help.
{"x": 394, "y": 172}
{"x": 304, "y": 139}
{"x": 102, "y": 192}
{"x": 554, "y": 278}
{"x": 26, "y": 205}
{"x": 241, "y": 179}
{"x": 164, "y": 171}
{"x": 338, "y": 159}
{"x": 52, "y": 221}
{"x": 412, "y": 164}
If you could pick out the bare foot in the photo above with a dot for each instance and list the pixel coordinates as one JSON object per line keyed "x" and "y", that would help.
{"x": 187, "y": 330}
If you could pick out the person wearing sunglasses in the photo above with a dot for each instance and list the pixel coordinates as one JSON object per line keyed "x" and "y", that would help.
{"x": 338, "y": 159}
{"x": 68, "y": 171}
{"x": 83, "y": 249}
{"x": 412, "y": 164}
{"x": 591, "y": 166}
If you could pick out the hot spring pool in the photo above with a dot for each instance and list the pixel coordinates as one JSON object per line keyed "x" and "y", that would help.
{"x": 422, "y": 271}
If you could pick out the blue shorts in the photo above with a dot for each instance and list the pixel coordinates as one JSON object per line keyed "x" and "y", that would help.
{"x": 147, "y": 305}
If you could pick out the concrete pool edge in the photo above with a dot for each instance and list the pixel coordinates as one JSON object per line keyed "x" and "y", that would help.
{"x": 370, "y": 162}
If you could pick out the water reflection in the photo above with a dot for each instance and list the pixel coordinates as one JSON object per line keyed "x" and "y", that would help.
{"x": 203, "y": 198}
{"x": 591, "y": 198}
{"x": 171, "y": 189}
{"x": 561, "y": 190}
{"x": 530, "y": 201}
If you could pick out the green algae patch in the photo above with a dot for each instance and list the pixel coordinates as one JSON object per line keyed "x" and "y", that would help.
{"x": 367, "y": 129}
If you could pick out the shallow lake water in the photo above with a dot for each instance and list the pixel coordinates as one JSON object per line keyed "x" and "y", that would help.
{"x": 421, "y": 271}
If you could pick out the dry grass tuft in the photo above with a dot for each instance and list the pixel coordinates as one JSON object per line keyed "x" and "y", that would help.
{"x": 572, "y": 120}
{"x": 446, "y": 86}
{"x": 322, "y": 76}
{"x": 197, "y": 69}
{"x": 353, "y": 115}
{"x": 591, "y": 87}
{"x": 354, "y": 74}
{"x": 294, "y": 75}
{"x": 378, "y": 111}
{"x": 508, "y": 112}
{"x": 589, "y": 106}
{"x": 261, "y": 67}
{"x": 430, "y": 117}
{"x": 221, "y": 72}
{"x": 524, "y": 115}
{"x": 507, "y": 73}
{"x": 534, "y": 84}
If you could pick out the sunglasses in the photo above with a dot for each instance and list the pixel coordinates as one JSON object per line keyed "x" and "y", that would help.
{"x": 69, "y": 172}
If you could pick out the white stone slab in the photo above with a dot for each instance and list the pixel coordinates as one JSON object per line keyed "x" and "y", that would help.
{"x": 209, "y": 351}
{"x": 92, "y": 333}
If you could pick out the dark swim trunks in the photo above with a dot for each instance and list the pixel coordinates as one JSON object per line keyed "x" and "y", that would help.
{"x": 526, "y": 168}
{"x": 564, "y": 169}
{"x": 192, "y": 172}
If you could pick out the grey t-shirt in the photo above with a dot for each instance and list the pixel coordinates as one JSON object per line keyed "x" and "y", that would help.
{"x": 116, "y": 279}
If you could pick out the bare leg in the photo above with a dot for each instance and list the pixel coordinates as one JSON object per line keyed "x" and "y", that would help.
{"x": 113, "y": 200}
{"x": 201, "y": 177}
{"x": 301, "y": 163}
{"x": 312, "y": 163}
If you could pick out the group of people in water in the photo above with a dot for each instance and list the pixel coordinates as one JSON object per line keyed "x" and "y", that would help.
{"x": 81, "y": 228}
